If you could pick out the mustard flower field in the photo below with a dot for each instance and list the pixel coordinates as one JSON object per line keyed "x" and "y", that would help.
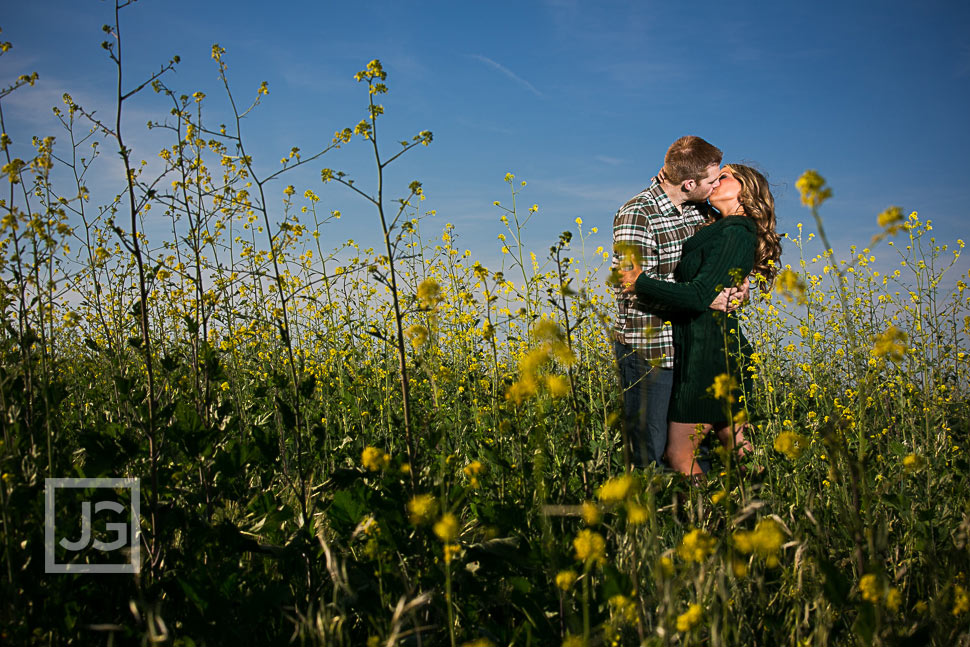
{"x": 402, "y": 446}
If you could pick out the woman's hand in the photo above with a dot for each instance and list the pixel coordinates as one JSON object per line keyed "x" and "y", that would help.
{"x": 628, "y": 278}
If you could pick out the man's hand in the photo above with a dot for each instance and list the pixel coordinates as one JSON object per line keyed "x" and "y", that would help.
{"x": 628, "y": 278}
{"x": 730, "y": 299}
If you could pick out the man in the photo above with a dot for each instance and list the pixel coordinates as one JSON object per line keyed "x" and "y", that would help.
{"x": 652, "y": 226}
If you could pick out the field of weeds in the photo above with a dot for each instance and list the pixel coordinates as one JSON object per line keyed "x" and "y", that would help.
{"x": 401, "y": 446}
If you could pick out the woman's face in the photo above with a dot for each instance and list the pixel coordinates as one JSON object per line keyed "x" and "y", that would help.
{"x": 725, "y": 196}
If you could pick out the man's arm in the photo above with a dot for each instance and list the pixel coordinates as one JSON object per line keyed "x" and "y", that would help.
{"x": 692, "y": 296}
{"x": 634, "y": 241}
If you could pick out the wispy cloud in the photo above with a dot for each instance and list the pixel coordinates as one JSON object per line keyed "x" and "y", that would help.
{"x": 507, "y": 72}
{"x": 612, "y": 161}
{"x": 606, "y": 197}
{"x": 478, "y": 124}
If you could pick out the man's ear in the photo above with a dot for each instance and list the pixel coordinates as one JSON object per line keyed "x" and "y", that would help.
{"x": 688, "y": 185}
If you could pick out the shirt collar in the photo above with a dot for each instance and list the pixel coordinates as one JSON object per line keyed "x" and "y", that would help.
{"x": 665, "y": 205}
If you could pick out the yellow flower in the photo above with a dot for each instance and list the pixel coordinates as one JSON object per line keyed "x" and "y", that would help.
{"x": 666, "y": 566}
{"x": 790, "y": 444}
{"x": 870, "y": 588}
{"x": 961, "y": 601}
{"x": 421, "y": 508}
{"x": 429, "y": 293}
{"x": 616, "y": 489}
{"x": 590, "y": 547}
{"x": 368, "y": 526}
{"x": 450, "y": 551}
{"x": 890, "y": 219}
{"x": 891, "y": 343}
{"x": 636, "y": 514}
{"x": 557, "y": 385}
{"x": 446, "y": 528}
{"x": 690, "y": 618}
{"x": 623, "y": 609}
{"x": 416, "y": 334}
{"x": 765, "y": 541}
{"x": 472, "y": 470}
{"x": 790, "y": 286}
{"x": 374, "y": 459}
{"x": 893, "y": 599}
{"x": 522, "y": 390}
{"x": 533, "y": 361}
{"x": 566, "y": 579}
{"x": 911, "y": 463}
{"x": 547, "y": 330}
{"x": 724, "y": 386}
{"x": 591, "y": 513}
{"x": 696, "y": 546}
{"x": 480, "y": 642}
{"x": 812, "y": 187}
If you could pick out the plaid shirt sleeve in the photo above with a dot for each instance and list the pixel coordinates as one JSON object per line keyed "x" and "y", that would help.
{"x": 652, "y": 228}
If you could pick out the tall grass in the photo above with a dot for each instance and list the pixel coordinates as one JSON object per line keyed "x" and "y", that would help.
{"x": 341, "y": 446}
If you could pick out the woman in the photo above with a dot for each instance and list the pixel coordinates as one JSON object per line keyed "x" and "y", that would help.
{"x": 707, "y": 342}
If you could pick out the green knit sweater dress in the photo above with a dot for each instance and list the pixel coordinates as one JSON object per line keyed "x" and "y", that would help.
{"x": 712, "y": 259}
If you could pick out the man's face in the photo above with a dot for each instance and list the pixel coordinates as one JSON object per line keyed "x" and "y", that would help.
{"x": 702, "y": 189}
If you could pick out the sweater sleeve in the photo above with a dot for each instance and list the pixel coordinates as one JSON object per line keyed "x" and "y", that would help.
{"x": 732, "y": 255}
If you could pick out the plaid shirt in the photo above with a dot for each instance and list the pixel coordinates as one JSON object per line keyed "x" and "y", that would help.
{"x": 650, "y": 224}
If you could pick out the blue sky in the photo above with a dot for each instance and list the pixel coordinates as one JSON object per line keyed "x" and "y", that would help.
{"x": 580, "y": 99}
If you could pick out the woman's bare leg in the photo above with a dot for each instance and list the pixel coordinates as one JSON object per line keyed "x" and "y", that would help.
{"x": 683, "y": 439}
{"x": 735, "y": 441}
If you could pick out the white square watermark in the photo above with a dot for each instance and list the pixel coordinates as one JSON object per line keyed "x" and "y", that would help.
{"x": 126, "y": 535}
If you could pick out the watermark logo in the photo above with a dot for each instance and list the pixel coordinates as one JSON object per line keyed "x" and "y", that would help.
{"x": 92, "y": 525}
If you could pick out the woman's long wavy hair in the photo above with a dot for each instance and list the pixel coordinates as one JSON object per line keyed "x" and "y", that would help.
{"x": 759, "y": 205}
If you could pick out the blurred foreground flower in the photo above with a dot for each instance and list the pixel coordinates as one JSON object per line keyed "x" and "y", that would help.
{"x": 590, "y": 547}
{"x": 421, "y": 508}
{"x": 566, "y": 579}
{"x": 765, "y": 541}
{"x": 790, "y": 286}
{"x": 723, "y": 387}
{"x": 812, "y": 187}
{"x": 961, "y": 601}
{"x": 591, "y": 513}
{"x": 446, "y": 528}
{"x": 690, "y": 618}
{"x": 790, "y": 444}
{"x": 374, "y": 459}
{"x": 912, "y": 463}
{"x": 616, "y": 489}
{"x": 891, "y": 343}
{"x": 696, "y": 546}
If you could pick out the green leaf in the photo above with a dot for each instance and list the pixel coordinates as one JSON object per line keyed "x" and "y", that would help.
{"x": 834, "y": 584}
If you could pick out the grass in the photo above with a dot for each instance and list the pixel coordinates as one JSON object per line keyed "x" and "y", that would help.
{"x": 341, "y": 446}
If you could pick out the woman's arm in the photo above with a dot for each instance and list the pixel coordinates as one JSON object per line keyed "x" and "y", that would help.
{"x": 729, "y": 262}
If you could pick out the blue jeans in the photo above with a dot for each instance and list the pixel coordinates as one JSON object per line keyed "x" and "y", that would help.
{"x": 646, "y": 396}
